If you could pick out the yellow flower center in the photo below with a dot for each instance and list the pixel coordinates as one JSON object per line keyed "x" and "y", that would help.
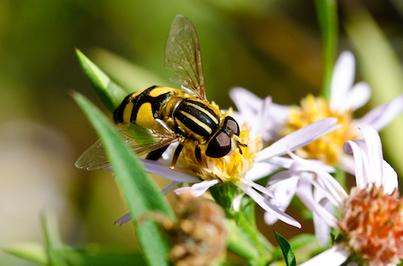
{"x": 230, "y": 168}
{"x": 329, "y": 147}
{"x": 372, "y": 224}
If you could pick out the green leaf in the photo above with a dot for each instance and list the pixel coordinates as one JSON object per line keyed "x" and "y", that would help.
{"x": 90, "y": 256}
{"x": 288, "y": 254}
{"x": 97, "y": 256}
{"x": 126, "y": 73}
{"x": 109, "y": 92}
{"x": 327, "y": 14}
{"x": 53, "y": 244}
{"x": 33, "y": 252}
{"x": 141, "y": 194}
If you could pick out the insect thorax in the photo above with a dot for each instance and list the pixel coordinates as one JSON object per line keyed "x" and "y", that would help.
{"x": 196, "y": 119}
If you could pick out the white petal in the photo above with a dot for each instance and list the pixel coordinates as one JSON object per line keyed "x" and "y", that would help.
{"x": 347, "y": 163}
{"x": 334, "y": 256}
{"x": 282, "y": 161}
{"x": 197, "y": 189}
{"x": 268, "y": 207}
{"x": 236, "y": 202}
{"x": 304, "y": 192}
{"x": 317, "y": 185}
{"x": 170, "y": 187}
{"x": 166, "y": 172}
{"x": 322, "y": 230}
{"x": 283, "y": 192}
{"x": 302, "y": 164}
{"x": 332, "y": 186}
{"x": 298, "y": 139}
{"x": 275, "y": 119}
{"x": 247, "y": 103}
{"x": 374, "y": 153}
{"x": 259, "y": 170}
{"x": 342, "y": 80}
{"x": 359, "y": 158}
{"x": 357, "y": 96}
{"x": 281, "y": 176}
{"x": 380, "y": 116}
{"x": 390, "y": 179}
{"x": 258, "y": 187}
{"x": 262, "y": 119}
{"x": 252, "y": 108}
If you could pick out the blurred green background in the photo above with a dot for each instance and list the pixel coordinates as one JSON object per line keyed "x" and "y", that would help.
{"x": 271, "y": 47}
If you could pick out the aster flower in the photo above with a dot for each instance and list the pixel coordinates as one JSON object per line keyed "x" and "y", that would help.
{"x": 241, "y": 167}
{"x": 344, "y": 99}
{"x": 370, "y": 220}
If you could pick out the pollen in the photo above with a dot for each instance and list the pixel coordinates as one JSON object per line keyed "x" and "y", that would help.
{"x": 230, "y": 168}
{"x": 372, "y": 224}
{"x": 328, "y": 148}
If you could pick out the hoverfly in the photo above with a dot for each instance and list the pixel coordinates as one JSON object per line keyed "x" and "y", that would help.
{"x": 182, "y": 116}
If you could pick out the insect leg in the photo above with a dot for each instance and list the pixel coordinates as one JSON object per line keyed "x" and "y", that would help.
{"x": 176, "y": 155}
{"x": 156, "y": 154}
{"x": 240, "y": 144}
{"x": 198, "y": 154}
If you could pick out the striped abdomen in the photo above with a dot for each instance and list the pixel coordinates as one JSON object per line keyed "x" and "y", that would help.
{"x": 142, "y": 108}
{"x": 196, "y": 119}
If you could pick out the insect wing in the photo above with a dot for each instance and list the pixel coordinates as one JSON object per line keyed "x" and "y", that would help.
{"x": 95, "y": 158}
{"x": 182, "y": 56}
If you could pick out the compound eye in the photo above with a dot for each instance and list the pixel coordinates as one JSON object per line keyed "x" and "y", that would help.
{"x": 219, "y": 145}
{"x": 232, "y": 125}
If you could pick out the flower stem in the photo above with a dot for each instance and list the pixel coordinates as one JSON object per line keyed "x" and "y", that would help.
{"x": 327, "y": 14}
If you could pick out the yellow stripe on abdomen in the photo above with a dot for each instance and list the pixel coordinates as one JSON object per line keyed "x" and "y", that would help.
{"x": 145, "y": 117}
{"x": 127, "y": 113}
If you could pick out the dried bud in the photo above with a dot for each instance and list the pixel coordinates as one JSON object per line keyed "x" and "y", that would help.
{"x": 198, "y": 236}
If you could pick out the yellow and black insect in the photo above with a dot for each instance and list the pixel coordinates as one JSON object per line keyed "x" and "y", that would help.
{"x": 174, "y": 115}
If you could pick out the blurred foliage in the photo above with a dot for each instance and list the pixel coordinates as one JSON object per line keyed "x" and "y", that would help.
{"x": 270, "y": 47}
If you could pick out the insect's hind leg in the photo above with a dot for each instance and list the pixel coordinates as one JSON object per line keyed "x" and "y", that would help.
{"x": 156, "y": 154}
{"x": 177, "y": 152}
{"x": 198, "y": 155}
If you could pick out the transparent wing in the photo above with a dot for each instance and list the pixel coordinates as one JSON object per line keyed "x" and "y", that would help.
{"x": 182, "y": 56}
{"x": 95, "y": 158}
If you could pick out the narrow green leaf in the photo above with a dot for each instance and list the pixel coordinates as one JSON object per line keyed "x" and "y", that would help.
{"x": 33, "y": 252}
{"x": 126, "y": 73}
{"x": 109, "y": 92}
{"x": 141, "y": 194}
{"x": 98, "y": 256}
{"x": 327, "y": 14}
{"x": 288, "y": 254}
{"x": 53, "y": 244}
{"x": 90, "y": 256}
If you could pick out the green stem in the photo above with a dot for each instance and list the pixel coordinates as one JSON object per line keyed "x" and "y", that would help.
{"x": 327, "y": 14}
{"x": 340, "y": 176}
